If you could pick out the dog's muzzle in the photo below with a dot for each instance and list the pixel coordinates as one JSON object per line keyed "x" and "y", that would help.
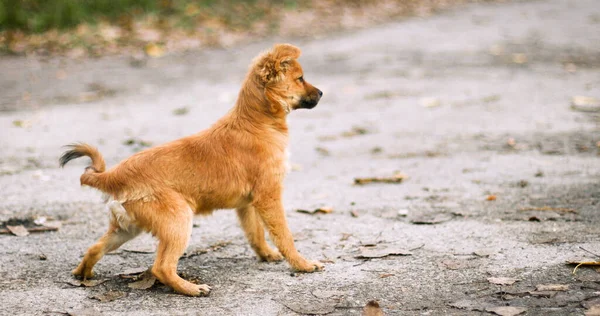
{"x": 309, "y": 103}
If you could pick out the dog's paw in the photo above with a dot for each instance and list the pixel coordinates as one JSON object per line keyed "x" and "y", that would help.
{"x": 310, "y": 266}
{"x": 272, "y": 256}
{"x": 199, "y": 290}
{"x": 83, "y": 273}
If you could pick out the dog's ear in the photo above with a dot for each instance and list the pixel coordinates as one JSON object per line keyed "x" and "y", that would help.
{"x": 273, "y": 64}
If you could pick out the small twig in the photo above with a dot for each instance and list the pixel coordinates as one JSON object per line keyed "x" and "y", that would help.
{"x": 595, "y": 254}
{"x": 418, "y": 247}
{"x": 396, "y": 178}
{"x": 548, "y": 208}
{"x": 32, "y": 229}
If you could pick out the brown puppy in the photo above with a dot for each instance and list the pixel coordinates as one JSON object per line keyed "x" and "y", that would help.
{"x": 238, "y": 163}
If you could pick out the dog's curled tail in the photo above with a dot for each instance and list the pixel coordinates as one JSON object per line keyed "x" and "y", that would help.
{"x": 92, "y": 175}
{"x": 80, "y": 150}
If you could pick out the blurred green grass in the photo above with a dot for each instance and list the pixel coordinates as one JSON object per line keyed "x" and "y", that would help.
{"x": 36, "y": 16}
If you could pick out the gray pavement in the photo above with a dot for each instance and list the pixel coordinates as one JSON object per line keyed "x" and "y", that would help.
{"x": 470, "y": 103}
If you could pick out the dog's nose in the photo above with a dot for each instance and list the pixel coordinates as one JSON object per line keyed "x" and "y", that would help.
{"x": 320, "y": 93}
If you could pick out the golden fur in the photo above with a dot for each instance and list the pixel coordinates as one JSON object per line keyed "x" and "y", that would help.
{"x": 239, "y": 163}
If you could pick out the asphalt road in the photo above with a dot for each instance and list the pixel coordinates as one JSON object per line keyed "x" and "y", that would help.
{"x": 470, "y": 104}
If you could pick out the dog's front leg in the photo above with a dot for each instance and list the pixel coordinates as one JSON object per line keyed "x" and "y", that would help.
{"x": 270, "y": 209}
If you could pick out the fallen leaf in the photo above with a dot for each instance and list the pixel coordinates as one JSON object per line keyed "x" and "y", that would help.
{"x": 142, "y": 248}
{"x": 491, "y": 198}
{"x": 19, "y": 230}
{"x": 373, "y": 252}
{"x": 396, "y": 178}
{"x": 579, "y": 263}
{"x": 310, "y": 306}
{"x": 484, "y": 253}
{"x": 84, "y": 312}
{"x": 109, "y": 296}
{"x": 345, "y": 236}
{"x": 502, "y": 281}
{"x": 86, "y": 283}
{"x": 130, "y": 273}
{"x": 181, "y": 111}
{"x": 323, "y": 151}
{"x": 455, "y": 264}
{"x": 593, "y": 311}
{"x": 429, "y": 219}
{"x": 328, "y": 293}
{"x": 145, "y": 281}
{"x": 22, "y": 123}
{"x": 519, "y": 58}
{"x": 356, "y": 130}
{"x": 324, "y": 210}
{"x": 354, "y": 213}
{"x": 154, "y": 50}
{"x": 403, "y": 212}
{"x": 589, "y": 303}
{"x": 546, "y": 294}
{"x": 372, "y": 309}
{"x": 385, "y": 275}
{"x": 548, "y": 208}
{"x": 214, "y": 247}
{"x": 506, "y": 310}
{"x": 430, "y": 102}
{"x": 552, "y": 287}
{"x": 585, "y": 104}
{"x": 466, "y": 304}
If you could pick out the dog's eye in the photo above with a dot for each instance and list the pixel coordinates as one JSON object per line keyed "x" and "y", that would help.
{"x": 301, "y": 79}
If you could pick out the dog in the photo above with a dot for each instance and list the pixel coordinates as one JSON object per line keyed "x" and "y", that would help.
{"x": 238, "y": 163}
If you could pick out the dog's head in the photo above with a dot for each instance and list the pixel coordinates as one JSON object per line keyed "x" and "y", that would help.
{"x": 282, "y": 77}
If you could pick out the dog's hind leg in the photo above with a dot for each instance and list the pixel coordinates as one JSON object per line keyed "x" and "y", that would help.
{"x": 255, "y": 232}
{"x": 111, "y": 240}
{"x": 173, "y": 235}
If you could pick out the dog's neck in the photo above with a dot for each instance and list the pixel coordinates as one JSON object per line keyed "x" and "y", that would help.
{"x": 254, "y": 106}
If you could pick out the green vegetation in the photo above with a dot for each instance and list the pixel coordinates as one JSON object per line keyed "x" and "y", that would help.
{"x": 35, "y": 16}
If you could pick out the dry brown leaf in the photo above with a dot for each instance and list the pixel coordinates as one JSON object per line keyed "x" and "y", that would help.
{"x": 146, "y": 281}
{"x": 519, "y": 58}
{"x": 593, "y": 311}
{"x": 552, "y": 287}
{"x": 84, "y": 312}
{"x": 141, "y": 248}
{"x": 429, "y": 219}
{"x": 324, "y": 210}
{"x": 372, "y": 309}
{"x": 373, "y": 252}
{"x": 502, "y": 281}
{"x": 546, "y": 294}
{"x": 385, "y": 275}
{"x": 19, "y": 230}
{"x": 506, "y": 310}
{"x": 131, "y": 273}
{"x": 484, "y": 253}
{"x": 109, "y": 296}
{"x": 154, "y": 50}
{"x": 214, "y": 247}
{"x": 345, "y": 236}
{"x": 86, "y": 283}
{"x": 548, "y": 208}
{"x": 580, "y": 263}
{"x": 585, "y": 104}
{"x": 491, "y": 197}
{"x": 396, "y": 178}
{"x": 452, "y": 264}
